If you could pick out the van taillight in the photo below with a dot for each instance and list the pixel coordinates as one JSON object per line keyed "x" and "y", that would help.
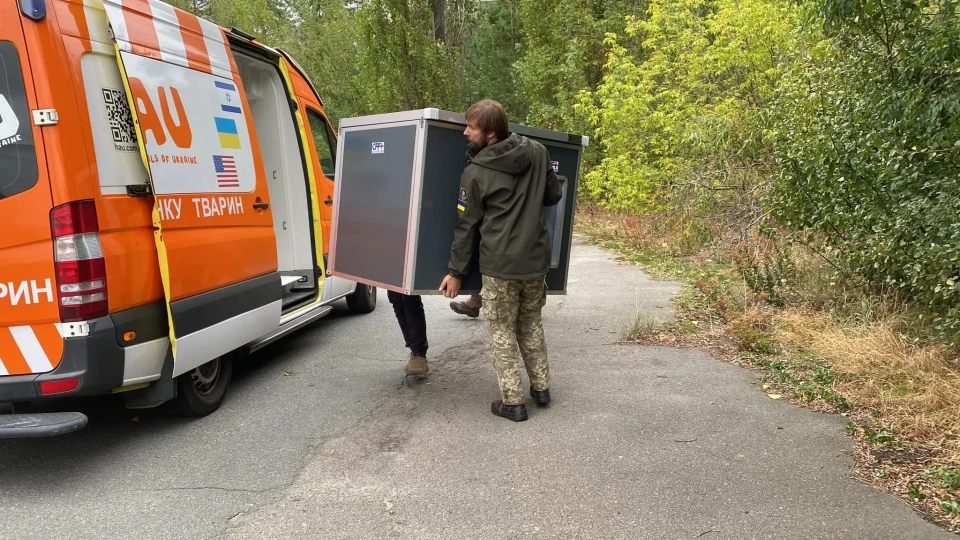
{"x": 81, "y": 272}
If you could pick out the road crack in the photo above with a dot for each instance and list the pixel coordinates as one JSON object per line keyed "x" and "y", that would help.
{"x": 216, "y": 488}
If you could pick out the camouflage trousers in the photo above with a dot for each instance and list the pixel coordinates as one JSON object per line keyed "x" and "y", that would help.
{"x": 512, "y": 310}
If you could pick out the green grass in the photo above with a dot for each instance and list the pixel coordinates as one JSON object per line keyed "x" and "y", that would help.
{"x": 643, "y": 324}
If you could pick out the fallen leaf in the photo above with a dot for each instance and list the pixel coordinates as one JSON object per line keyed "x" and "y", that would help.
{"x": 779, "y": 427}
{"x": 287, "y": 373}
{"x": 713, "y": 402}
{"x": 332, "y": 451}
{"x": 766, "y": 387}
{"x": 774, "y": 396}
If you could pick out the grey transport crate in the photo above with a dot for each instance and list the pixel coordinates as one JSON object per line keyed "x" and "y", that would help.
{"x": 395, "y": 201}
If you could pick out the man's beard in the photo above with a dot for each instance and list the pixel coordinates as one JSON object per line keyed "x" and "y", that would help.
{"x": 476, "y": 147}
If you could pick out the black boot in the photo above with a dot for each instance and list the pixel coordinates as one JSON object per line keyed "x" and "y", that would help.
{"x": 542, "y": 398}
{"x": 517, "y": 413}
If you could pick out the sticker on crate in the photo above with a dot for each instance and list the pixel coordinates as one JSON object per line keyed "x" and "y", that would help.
{"x": 378, "y": 148}
{"x": 556, "y": 166}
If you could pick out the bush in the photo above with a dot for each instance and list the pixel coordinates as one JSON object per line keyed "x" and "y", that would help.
{"x": 678, "y": 115}
{"x": 866, "y": 134}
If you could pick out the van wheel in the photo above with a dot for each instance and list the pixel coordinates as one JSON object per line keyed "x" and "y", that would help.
{"x": 201, "y": 391}
{"x": 363, "y": 299}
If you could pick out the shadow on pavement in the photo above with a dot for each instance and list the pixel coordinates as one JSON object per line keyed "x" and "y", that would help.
{"x": 26, "y": 464}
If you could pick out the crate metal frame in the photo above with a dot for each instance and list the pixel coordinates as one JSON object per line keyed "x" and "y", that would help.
{"x": 421, "y": 120}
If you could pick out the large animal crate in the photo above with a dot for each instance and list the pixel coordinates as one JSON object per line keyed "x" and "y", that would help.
{"x": 394, "y": 208}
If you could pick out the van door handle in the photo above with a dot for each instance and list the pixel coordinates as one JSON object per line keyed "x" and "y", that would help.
{"x": 261, "y": 205}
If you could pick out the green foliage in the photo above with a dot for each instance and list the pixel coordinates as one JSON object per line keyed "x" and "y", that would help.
{"x": 867, "y": 137}
{"x": 944, "y": 477}
{"x": 327, "y": 48}
{"x": 563, "y": 56}
{"x": 679, "y": 113}
{"x": 401, "y": 63}
{"x": 767, "y": 270}
{"x": 496, "y": 44}
{"x": 946, "y": 480}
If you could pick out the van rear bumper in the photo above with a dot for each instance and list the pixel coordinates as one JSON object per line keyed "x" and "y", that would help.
{"x": 96, "y": 360}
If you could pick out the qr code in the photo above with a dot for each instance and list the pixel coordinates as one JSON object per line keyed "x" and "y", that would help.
{"x": 118, "y": 113}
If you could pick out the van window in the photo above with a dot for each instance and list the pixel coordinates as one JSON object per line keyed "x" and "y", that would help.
{"x": 324, "y": 143}
{"x": 18, "y": 154}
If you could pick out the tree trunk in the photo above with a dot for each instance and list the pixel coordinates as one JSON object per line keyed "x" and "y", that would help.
{"x": 439, "y": 29}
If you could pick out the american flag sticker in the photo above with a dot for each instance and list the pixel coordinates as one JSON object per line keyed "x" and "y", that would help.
{"x": 226, "y": 168}
{"x": 555, "y": 165}
{"x": 378, "y": 148}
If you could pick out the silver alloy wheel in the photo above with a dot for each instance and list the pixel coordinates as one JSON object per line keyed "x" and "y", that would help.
{"x": 205, "y": 377}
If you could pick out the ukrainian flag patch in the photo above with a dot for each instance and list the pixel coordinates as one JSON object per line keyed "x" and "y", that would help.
{"x": 462, "y": 202}
{"x": 227, "y": 130}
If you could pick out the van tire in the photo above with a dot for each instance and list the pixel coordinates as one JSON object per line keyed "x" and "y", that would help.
{"x": 201, "y": 390}
{"x": 363, "y": 299}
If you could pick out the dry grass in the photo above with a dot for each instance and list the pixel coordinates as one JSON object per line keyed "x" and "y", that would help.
{"x": 820, "y": 340}
{"x": 643, "y": 324}
{"x": 914, "y": 389}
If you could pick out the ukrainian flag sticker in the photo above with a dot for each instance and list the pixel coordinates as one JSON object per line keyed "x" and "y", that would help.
{"x": 227, "y": 130}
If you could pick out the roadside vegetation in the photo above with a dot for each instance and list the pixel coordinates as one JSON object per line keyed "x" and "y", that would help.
{"x": 797, "y": 166}
{"x": 817, "y": 343}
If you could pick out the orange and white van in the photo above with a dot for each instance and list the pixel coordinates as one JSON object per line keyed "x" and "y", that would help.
{"x": 165, "y": 200}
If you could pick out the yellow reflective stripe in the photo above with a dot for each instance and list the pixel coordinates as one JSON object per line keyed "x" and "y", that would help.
{"x": 314, "y": 196}
{"x": 157, "y": 233}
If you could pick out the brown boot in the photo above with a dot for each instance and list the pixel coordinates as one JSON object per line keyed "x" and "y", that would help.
{"x": 417, "y": 365}
{"x": 470, "y": 308}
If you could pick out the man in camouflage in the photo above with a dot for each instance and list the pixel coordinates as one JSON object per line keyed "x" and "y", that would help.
{"x": 503, "y": 191}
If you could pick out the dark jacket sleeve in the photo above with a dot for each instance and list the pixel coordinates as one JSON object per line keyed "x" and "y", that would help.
{"x": 464, "y": 236}
{"x": 552, "y": 194}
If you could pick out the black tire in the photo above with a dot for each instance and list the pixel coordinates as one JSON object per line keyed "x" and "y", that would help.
{"x": 363, "y": 299}
{"x": 201, "y": 391}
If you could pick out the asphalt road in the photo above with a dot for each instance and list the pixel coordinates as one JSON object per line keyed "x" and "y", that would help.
{"x": 321, "y": 437}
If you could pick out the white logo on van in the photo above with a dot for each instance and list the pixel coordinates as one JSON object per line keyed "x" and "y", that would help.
{"x": 9, "y": 123}
{"x": 25, "y": 291}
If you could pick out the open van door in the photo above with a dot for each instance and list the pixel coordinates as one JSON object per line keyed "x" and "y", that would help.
{"x": 214, "y": 230}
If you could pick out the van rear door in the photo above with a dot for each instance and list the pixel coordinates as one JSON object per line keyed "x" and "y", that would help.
{"x": 214, "y": 230}
{"x": 30, "y": 341}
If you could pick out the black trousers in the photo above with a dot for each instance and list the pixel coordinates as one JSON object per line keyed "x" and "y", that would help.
{"x": 413, "y": 324}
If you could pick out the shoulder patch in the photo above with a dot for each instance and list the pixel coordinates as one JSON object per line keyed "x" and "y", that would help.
{"x": 462, "y": 201}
